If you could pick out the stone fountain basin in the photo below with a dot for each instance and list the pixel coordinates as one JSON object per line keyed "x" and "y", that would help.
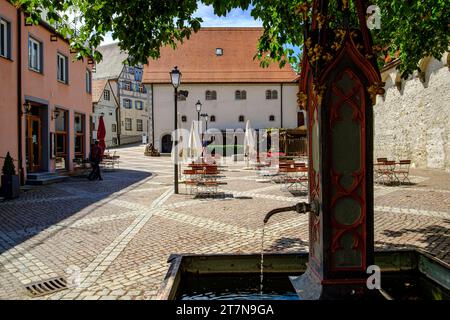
{"x": 397, "y": 267}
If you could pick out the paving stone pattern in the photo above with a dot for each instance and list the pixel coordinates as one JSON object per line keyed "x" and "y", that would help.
{"x": 111, "y": 238}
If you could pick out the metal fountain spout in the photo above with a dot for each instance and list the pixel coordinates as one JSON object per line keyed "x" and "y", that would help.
{"x": 301, "y": 207}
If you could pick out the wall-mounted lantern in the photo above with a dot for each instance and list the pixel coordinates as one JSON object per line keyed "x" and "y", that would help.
{"x": 55, "y": 113}
{"x": 27, "y": 108}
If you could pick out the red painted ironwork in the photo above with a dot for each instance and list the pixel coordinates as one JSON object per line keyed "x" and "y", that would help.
{"x": 356, "y": 229}
{"x": 331, "y": 54}
{"x": 314, "y": 177}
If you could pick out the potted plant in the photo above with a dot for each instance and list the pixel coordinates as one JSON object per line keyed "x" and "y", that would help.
{"x": 10, "y": 181}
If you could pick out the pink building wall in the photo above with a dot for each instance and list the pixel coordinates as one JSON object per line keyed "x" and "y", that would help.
{"x": 41, "y": 87}
{"x": 8, "y": 92}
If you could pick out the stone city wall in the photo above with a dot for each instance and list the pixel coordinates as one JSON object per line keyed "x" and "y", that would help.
{"x": 412, "y": 120}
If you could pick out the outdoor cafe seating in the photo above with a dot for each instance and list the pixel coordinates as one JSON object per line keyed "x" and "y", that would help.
{"x": 293, "y": 176}
{"x": 110, "y": 160}
{"x": 202, "y": 178}
{"x": 390, "y": 172}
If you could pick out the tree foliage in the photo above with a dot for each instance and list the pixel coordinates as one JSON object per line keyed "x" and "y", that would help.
{"x": 417, "y": 28}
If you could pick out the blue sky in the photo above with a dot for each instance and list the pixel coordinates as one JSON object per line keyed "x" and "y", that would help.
{"x": 235, "y": 18}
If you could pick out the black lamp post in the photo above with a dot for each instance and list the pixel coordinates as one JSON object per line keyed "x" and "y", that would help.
{"x": 205, "y": 115}
{"x": 198, "y": 107}
{"x": 175, "y": 77}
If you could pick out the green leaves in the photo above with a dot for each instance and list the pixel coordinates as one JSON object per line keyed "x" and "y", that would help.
{"x": 416, "y": 27}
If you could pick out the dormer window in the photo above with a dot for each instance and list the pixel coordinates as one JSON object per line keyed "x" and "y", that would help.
{"x": 219, "y": 52}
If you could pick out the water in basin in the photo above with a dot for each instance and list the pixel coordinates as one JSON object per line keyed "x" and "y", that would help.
{"x": 237, "y": 287}
{"x": 400, "y": 286}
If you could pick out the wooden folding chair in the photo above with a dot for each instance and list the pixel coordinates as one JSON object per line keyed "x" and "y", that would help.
{"x": 387, "y": 172}
{"x": 403, "y": 171}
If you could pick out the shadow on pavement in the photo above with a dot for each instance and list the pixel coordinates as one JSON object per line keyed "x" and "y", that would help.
{"x": 49, "y": 206}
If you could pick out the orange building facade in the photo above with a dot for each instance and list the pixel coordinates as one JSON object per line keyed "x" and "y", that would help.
{"x": 45, "y": 97}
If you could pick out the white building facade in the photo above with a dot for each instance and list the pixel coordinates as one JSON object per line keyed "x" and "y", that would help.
{"x": 106, "y": 105}
{"x": 134, "y": 106}
{"x": 218, "y": 70}
{"x": 229, "y": 110}
{"x": 121, "y": 97}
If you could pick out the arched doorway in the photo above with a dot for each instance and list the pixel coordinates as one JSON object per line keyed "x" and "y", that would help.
{"x": 166, "y": 143}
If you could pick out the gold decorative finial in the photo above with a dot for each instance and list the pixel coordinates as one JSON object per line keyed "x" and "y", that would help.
{"x": 376, "y": 89}
{"x": 302, "y": 98}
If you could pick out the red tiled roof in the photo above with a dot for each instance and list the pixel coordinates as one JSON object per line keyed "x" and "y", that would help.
{"x": 196, "y": 59}
{"x": 98, "y": 86}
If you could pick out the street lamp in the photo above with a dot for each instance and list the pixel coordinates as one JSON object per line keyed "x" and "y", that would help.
{"x": 175, "y": 78}
{"x": 205, "y": 115}
{"x": 198, "y": 107}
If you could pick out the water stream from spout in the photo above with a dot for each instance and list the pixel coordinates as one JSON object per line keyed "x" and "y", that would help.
{"x": 262, "y": 260}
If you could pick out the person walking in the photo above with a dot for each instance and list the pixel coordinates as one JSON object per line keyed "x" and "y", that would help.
{"x": 96, "y": 158}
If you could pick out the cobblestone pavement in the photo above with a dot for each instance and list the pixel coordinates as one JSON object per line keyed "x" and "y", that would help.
{"x": 115, "y": 235}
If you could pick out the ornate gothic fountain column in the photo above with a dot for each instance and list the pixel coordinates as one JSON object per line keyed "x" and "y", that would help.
{"x": 339, "y": 83}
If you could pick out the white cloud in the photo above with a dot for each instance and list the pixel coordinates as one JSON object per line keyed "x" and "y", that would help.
{"x": 235, "y": 18}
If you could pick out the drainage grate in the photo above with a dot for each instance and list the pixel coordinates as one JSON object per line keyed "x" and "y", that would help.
{"x": 41, "y": 288}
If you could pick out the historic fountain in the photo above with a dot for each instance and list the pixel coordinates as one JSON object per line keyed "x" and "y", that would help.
{"x": 338, "y": 87}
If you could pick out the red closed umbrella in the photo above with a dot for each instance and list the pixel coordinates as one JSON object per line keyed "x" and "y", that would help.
{"x": 101, "y": 134}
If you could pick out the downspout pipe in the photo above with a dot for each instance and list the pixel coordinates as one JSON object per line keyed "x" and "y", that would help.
{"x": 119, "y": 114}
{"x": 281, "y": 105}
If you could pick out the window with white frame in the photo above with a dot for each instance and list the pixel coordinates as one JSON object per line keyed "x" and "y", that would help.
{"x": 210, "y": 95}
{"x": 127, "y": 103}
{"x": 88, "y": 79}
{"x": 240, "y": 95}
{"x": 139, "y": 125}
{"x": 271, "y": 94}
{"x": 126, "y": 85}
{"x": 141, "y": 88}
{"x": 34, "y": 55}
{"x": 62, "y": 66}
{"x": 106, "y": 95}
{"x": 113, "y": 127}
{"x": 128, "y": 125}
{"x": 5, "y": 38}
{"x": 139, "y": 105}
{"x": 274, "y": 94}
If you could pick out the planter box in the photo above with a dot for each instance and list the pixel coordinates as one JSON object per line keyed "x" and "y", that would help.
{"x": 10, "y": 186}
